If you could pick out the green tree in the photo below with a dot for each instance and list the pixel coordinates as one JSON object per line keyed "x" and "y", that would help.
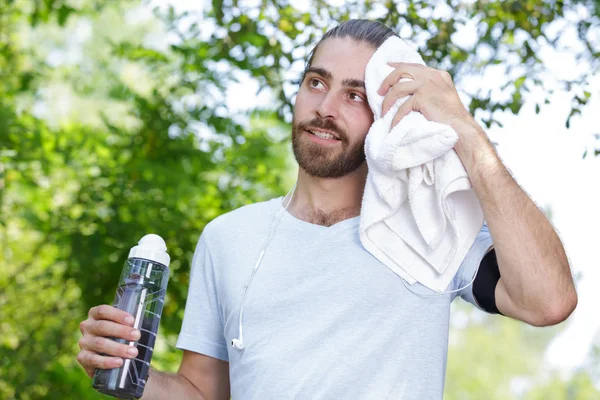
{"x": 148, "y": 144}
{"x": 494, "y": 357}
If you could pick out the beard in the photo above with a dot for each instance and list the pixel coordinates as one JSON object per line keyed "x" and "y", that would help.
{"x": 322, "y": 161}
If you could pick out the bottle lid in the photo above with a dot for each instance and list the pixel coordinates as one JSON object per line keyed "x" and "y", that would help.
{"x": 153, "y": 248}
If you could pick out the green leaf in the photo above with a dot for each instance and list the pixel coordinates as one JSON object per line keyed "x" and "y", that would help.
{"x": 63, "y": 14}
{"x": 149, "y": 144}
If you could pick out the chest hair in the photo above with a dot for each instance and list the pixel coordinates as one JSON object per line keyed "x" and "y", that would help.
{"x": 320, "y": 217}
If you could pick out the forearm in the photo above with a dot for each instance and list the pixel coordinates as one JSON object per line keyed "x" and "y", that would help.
{"x": 533, "y": 264}
{"x": 162, "y": 385}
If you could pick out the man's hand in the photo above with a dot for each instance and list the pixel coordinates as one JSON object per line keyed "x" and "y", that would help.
{"x": 97, "y": 350}
{"x": 433, "y": 95}
{"x": 536, "y": 284}
{"x": 199, "y": 377}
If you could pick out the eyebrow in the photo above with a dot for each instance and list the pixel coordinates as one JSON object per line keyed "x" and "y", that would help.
{"x": 353, "y": 83}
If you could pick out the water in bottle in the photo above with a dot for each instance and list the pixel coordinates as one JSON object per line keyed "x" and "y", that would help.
{"x": 141, "y": 293}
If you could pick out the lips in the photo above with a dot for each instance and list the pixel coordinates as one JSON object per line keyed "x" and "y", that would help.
{"x": 323, "y": 134}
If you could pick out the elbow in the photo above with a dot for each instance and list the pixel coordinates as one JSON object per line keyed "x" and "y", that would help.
{"x": 557, "y": 311}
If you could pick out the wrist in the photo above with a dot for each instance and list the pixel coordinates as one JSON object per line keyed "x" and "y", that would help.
{"x": 476, "y": 152}
{"x": 471, "y": 137}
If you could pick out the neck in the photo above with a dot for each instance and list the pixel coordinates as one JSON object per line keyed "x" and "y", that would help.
{"x": 326, "y": 201}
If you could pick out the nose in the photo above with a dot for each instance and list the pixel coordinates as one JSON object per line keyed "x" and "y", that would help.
{"x": 329, "y": 106}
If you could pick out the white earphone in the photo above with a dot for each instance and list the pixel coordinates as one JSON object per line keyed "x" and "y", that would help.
{"x": 442, "y": 293}
{"x": 238, "y": 342}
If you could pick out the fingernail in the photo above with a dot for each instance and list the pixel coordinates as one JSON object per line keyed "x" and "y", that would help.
{"x": 135, "y": 334}
{"x": 132, "y": 351}
{"x": 129, "y": 320}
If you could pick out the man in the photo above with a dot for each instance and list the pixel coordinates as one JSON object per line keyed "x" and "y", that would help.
{"x": 323, "y": 319}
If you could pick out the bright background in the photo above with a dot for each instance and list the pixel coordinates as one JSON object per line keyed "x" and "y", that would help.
{"x": 122, "y": 118}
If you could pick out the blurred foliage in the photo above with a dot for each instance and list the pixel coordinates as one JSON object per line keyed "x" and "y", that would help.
{"x": 114, "y": 122}
{"x": 500, "y": 358}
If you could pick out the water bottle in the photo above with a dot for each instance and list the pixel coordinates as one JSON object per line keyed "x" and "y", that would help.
{"x": 141, "y": 293}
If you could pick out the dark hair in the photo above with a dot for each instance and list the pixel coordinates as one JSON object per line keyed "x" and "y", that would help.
{"x": 360, "y": 30}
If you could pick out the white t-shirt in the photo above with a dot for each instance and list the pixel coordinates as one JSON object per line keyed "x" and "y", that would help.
{"x": 323, "y": 318}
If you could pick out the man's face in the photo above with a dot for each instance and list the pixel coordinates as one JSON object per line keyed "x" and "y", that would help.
{"x": 331, "y": 116}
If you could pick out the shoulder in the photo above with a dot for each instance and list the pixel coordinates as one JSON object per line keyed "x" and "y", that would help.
{"x": 248, "y": 217}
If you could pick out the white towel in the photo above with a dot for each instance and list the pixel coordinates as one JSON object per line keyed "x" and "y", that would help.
{"x": 419, "y": 213}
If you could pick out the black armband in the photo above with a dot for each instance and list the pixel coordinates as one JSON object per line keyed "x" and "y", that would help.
{"x": 484, "y": 286}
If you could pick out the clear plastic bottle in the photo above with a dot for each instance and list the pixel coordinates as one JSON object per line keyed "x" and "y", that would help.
{"x": 141, "y": 293}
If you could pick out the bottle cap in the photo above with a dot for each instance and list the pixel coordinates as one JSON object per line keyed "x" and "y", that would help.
{"x": 153, "y": 248}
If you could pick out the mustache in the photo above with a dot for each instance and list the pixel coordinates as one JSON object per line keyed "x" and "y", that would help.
{"x": 324, "y": 124}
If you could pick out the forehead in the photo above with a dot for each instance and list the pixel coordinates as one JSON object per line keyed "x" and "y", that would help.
{"x": 344, "y": 58}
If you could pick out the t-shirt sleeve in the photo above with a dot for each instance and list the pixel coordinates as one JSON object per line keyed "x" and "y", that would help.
{"x": 202, "y": 328}
{"x": 470, "y": 265}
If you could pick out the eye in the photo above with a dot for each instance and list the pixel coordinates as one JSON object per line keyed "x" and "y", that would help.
{"x": 314, "y": 83}
{"x": 355, "y": 96}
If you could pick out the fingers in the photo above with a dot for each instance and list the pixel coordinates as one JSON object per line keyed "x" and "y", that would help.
{"x": 398, "y": 91}
{"x": 106, "y": 312}
{"x": 391, "y": 80}
{"x": 91, "y": 361}
{"x": 107, "y": 347}
{"x": 404, "y": 110}
{"x": 108, "y": 329}
{"x": 402, "y": 70}
{"x": 431, "y": 91}
{"x": 98, "y": 350}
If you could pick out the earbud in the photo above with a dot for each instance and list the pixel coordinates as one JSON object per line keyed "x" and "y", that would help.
{"x": 238, "y": 344}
